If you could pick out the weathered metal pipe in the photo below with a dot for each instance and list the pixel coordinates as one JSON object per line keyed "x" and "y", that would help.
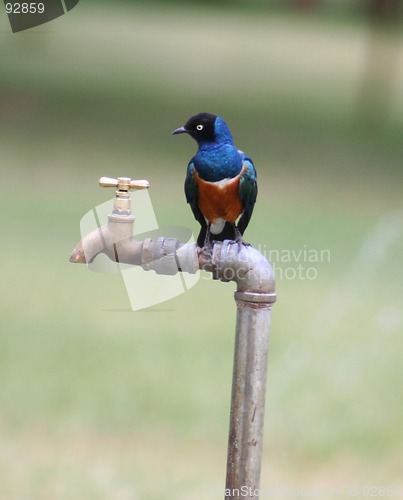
{"x": 255, "y": 293}
{"x": 228, "y": 261}
{"x": 245, "y": 439}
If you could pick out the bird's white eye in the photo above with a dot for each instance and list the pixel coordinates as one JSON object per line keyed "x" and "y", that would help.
{"x": 199, "y": 127}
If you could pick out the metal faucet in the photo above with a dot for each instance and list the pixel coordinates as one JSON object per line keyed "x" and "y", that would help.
{"x": 120, "y": 222}
{"x": 115, "y": 239}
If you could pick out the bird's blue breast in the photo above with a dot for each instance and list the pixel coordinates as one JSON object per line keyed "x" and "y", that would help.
{"x": 215, "y": 162}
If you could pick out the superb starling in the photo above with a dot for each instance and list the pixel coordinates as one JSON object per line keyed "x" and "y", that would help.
{"x": 220, "y": 184}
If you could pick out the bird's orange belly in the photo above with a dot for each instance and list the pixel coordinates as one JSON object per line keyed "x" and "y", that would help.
{"x": 219, "y": 200}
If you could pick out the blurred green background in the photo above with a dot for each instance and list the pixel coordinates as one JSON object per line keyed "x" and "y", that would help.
{"x": 98, "y": 402}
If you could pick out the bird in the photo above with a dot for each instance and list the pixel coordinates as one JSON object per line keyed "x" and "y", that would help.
{"x": 221, "y": 181}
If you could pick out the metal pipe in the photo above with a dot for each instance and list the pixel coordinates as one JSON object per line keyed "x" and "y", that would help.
{"x": 245, "y": 439}
{"x": 253, "y": 274}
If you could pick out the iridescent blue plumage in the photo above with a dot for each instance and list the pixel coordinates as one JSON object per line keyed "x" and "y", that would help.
{"x": 221, "y": 182}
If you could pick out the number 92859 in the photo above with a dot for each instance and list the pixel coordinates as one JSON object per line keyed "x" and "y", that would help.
{"x": 25, "y": 8}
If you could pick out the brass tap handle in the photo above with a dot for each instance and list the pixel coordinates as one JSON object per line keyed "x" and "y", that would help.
{"x": 123, "y": 183}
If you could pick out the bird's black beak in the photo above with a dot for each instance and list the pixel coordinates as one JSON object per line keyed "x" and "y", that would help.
{"x": 180, "y": 130}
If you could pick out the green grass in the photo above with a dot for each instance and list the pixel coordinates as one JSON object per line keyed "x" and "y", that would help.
{"x": 99, "y": 402}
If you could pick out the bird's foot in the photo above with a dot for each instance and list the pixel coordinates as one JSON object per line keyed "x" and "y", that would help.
{"x": 207, "y": 250}
{"x": 239, "y": 239}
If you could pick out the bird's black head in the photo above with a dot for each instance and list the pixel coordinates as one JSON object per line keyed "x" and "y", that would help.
{"x": 201, "y": 127}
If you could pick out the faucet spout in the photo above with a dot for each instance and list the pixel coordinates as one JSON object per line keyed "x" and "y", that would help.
{"x": 104, "y": 239}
